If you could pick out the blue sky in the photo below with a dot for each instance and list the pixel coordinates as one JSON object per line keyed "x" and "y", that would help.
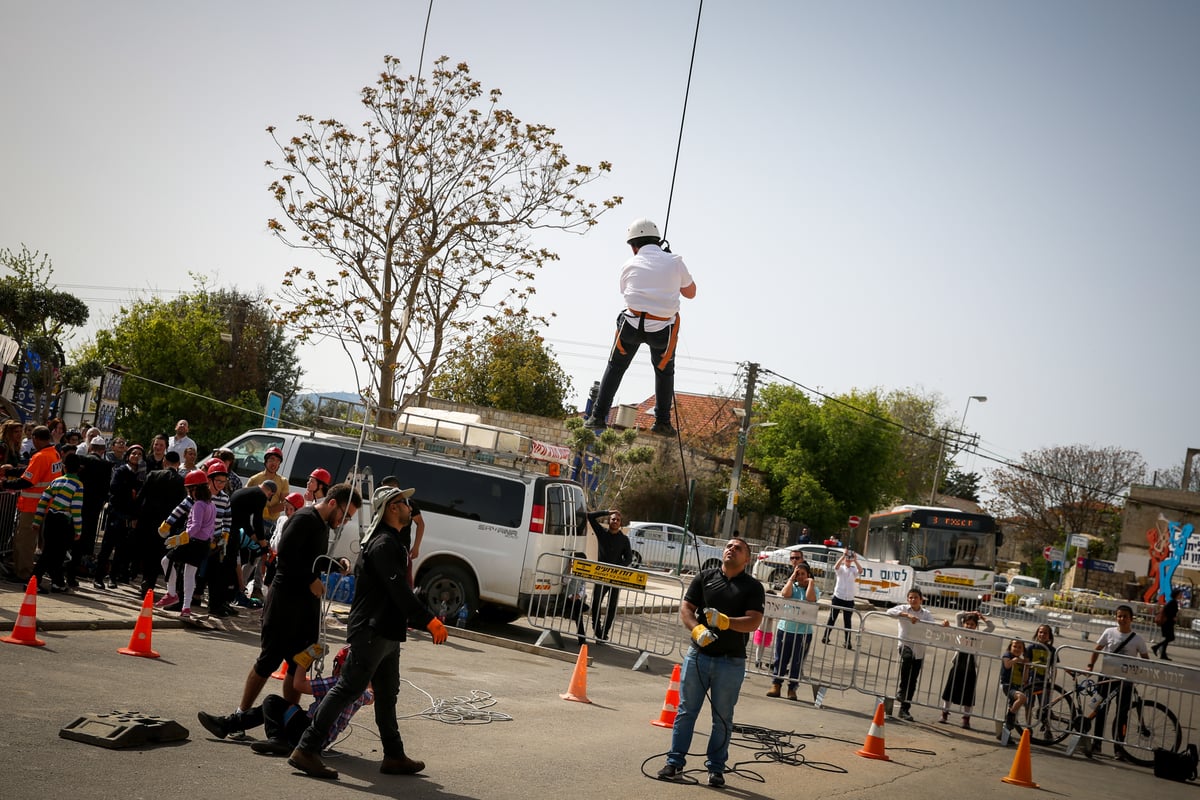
{"x": 992, "y": 199}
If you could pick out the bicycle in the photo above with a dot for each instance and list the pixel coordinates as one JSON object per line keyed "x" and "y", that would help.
{"x": 1149, "y": 723}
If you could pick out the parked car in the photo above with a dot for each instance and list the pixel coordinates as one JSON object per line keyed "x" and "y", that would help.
{"x": 773, "y": 567}
{"x": 659, "y": 544}
{"x": 1023, "y": 585}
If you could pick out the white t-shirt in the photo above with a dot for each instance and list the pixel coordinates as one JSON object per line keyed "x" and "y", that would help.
{"x": 844, "y": 587}
{"x": 650, "y": 283}
{"x": 1112, "y": 637}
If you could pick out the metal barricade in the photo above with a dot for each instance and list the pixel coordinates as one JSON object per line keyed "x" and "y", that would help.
{"x": 620, "y": 605}
{"x": 1132, "y": 704}
{"x": 8, "y": 523}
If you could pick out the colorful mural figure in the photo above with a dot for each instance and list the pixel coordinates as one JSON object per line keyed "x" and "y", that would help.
{"x": 1178, "y": 539}
{"x": 1159, "y": 539}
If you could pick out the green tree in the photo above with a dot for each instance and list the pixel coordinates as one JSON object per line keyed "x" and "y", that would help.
{"x": 509, "y": 367}
{"x": 426, "y": 212}
{"x": 610, "y": 461}
{"x": 922, "y": 418}
{"x": 828, "y": 460}
{"x": 961, "y": 484}
{"x": 209, "y": 356}
{"x": 38, "y": 318}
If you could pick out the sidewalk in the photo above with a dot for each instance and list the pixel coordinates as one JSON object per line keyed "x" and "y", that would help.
{"x": 104, "y": 609}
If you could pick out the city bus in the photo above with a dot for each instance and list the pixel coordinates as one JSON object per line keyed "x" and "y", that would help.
{"x": 949, "y": 554}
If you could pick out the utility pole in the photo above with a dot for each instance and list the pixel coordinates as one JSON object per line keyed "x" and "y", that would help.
{"x": 743, "y": 434}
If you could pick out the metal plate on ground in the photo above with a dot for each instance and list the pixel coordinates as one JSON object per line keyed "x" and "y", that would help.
{"x": 119, "y": 729}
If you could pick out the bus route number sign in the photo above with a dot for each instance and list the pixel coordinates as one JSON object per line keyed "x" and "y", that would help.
{"x": 962, "y": 523}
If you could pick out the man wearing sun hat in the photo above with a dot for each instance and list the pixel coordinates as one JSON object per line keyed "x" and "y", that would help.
{"x": 384, "y": 605}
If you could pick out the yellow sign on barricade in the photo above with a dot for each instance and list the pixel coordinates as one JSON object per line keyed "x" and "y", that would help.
{"x": 607, "y": 573}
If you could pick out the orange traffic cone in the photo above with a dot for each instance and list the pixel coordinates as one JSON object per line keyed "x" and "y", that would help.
{"x": 25, "y": 630}
{"x": 1021, "y": 773}
{"x": 873, "y": 746}
{"x": 666, "y": 718}
{"x": 280, "y": 673}
{"x": 139, "y": 642}
{"x": 577, "y": 691}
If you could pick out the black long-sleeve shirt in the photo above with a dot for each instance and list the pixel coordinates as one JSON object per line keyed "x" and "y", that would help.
{"x": 383, "y": 600}
{"x": 611, "y": 548}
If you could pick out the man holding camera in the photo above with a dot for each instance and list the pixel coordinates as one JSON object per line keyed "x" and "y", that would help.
{"x": 847, "y": 571}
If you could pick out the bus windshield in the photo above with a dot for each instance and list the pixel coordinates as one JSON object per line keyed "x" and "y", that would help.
{"x": 928, "y": 539}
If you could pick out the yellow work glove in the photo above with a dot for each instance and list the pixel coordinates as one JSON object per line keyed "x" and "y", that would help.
{"x": 703, "y": 636}
{"x": 437, "y": 630}
{"x": 164, "y": 529}
{"x": 715, "y": 619}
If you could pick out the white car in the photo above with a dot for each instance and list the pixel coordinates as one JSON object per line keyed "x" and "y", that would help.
{"x": 659, "y": 544}
{"x": 773, "y": 567}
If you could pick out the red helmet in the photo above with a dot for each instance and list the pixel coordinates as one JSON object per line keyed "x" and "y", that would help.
{"x": 339, "y": 660}
{"x": 196, "y": 477}
{"x": 295, "y": 500}
{"x": 216, "y": 467}
{"x": 322, "y": 475}
{"x": 273, "y": 451}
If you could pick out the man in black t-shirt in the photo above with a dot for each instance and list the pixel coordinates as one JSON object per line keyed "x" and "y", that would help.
{"x": 721, "y": 608}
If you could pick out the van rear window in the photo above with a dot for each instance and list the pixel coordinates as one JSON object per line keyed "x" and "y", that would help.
{"x": 460, "y": 493}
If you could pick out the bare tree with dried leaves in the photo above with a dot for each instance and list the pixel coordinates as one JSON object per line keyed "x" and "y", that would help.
{"x": 427, "y": 212}
{"x": 1071, "y": 489}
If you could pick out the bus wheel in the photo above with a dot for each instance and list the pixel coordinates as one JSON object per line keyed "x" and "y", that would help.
{"x": 446, "y": 588}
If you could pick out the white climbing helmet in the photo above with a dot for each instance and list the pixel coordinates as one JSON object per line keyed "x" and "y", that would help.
{"x": 641, "y": 228}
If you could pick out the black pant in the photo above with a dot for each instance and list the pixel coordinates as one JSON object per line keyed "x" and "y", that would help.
{"x": 609, "y": 614}
{"x": 372, "y": 659}
{"x": 1124, "y": 691}
{"x": 662, "y": 351}
{"x": 58, "y": 531}
{"x": 283, "y": 720}
{"x": 116, "y": 545}
{"x": 838, "y": 606}
{"x": 910, "y": 671}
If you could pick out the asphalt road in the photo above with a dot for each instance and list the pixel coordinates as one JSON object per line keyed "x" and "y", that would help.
{"x": 550, "y": 746}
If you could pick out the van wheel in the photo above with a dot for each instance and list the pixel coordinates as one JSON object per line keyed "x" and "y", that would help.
{"x": 636, "y": 560}
{"x": 780, "y": 576}
{"x": 451, "y": 585}
{"x": 712, "y": 563}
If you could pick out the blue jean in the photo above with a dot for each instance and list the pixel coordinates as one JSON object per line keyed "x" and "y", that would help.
{"x": 720, "y": 677}
{"x": 790, "y": 649}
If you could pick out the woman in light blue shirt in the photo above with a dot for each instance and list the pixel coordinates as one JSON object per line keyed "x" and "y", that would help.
{"x": 793, "y": 638}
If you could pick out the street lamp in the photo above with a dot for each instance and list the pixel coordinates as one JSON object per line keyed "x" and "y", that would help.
{"x": 937, "y": 468}
{"x": 736, "y": 478}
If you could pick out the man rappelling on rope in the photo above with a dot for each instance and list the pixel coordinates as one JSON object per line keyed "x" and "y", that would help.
{"x": 651, "y": 283}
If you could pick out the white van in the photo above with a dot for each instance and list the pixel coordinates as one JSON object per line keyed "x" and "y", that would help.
{"x": 1023, "y": 585}
{"x": 485, "y": 524}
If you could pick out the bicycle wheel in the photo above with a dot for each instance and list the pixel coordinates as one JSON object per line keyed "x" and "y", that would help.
{"x": 1151, "y": 725}
{"x": 1055, "y": 719}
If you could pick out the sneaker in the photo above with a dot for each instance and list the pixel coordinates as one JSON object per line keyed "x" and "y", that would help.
{"x": 167, "y": 600}
{"x": 849, "y": 646}
{"x": 112, "y": 583}
{"x": 219, "y": 726}
{"x": 221, "y": 611}
{"x": 945, "y": 717}
{"x": 716, "y": 780}
{"x": 401, "y": 766}
{"x": 663, "y": 429}
{"x": 59, "y": 588}
{"x": 670, "y": 773}
{"x": 311, "y": 764}
{"x": 98, "y": 583}
{"x": 271, "y": 747}
{"x": 904, "y": 715}
{"x": 185, "y": 613}
{"x": 243, "y": 601}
